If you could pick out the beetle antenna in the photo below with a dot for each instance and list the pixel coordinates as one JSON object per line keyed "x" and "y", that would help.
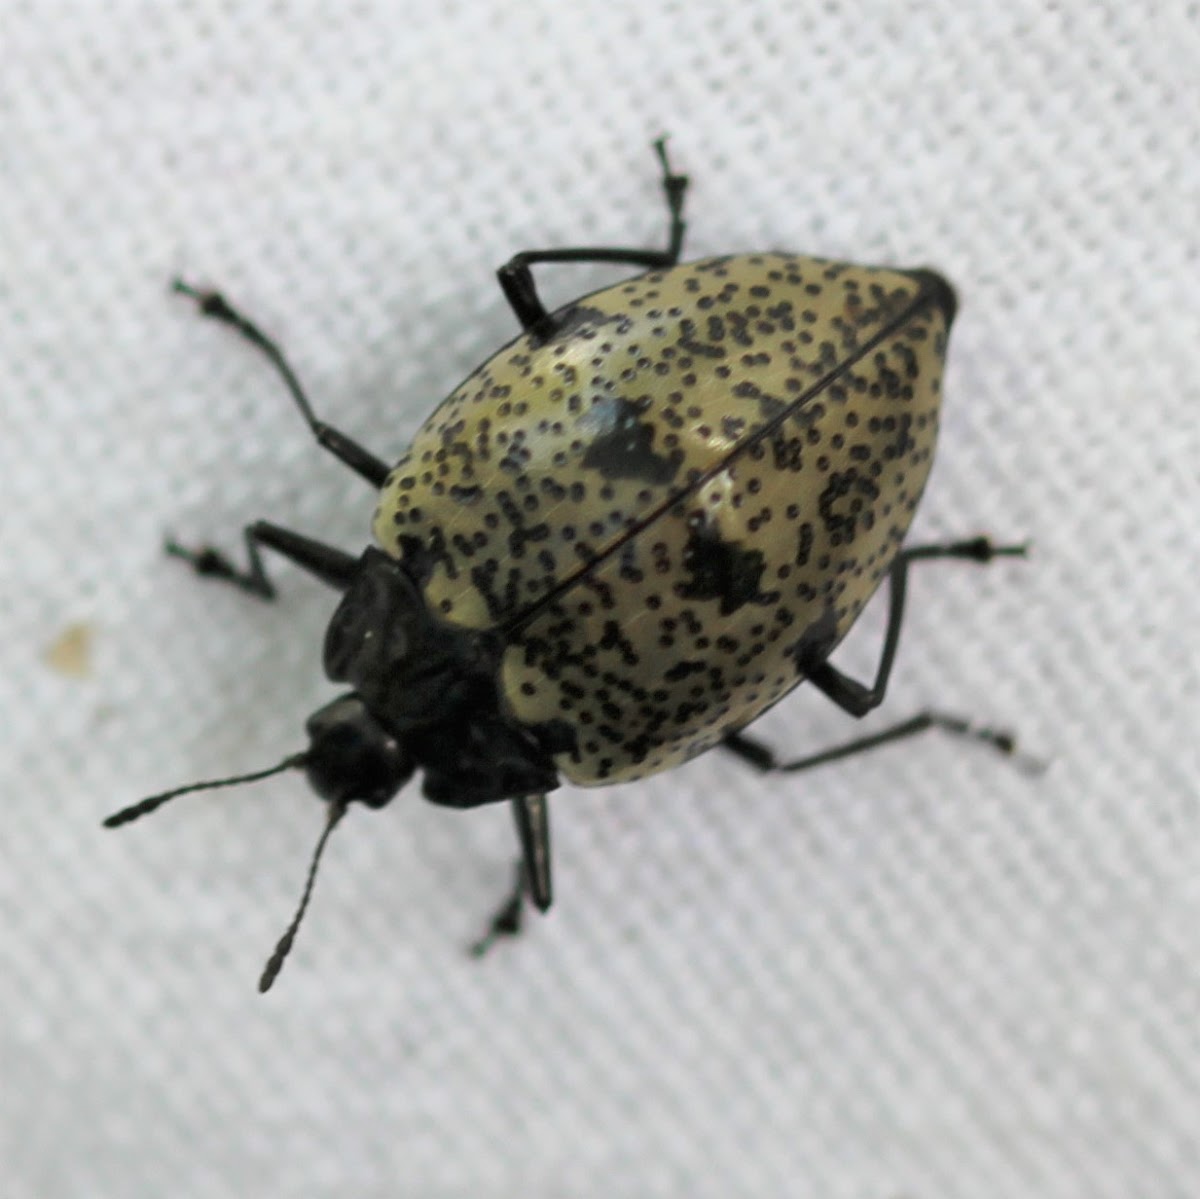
{"x": 145, "y": 806}
{"x": 275, "y": 962}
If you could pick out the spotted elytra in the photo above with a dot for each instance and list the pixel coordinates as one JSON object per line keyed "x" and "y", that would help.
{"x": 625, "y": 536}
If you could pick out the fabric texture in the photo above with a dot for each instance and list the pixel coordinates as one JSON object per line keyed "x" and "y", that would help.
{"x": 919, "y": 973}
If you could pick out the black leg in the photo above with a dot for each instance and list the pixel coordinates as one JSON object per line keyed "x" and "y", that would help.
{"x": 359, "y": 460}
{"x": 330, "y": 565}
{"x": 762, "y": 757}
{"x": 516, "y": 279}
{"x": 859, "y": 699}
{"x": 532, "y": 816}
{"x": 508, "y": 919}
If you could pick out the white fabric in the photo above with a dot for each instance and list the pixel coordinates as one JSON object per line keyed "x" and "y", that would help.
{"x": 918, "y": 974}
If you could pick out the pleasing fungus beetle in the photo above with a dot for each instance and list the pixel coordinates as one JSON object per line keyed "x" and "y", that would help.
{"x": 625, "y": 536}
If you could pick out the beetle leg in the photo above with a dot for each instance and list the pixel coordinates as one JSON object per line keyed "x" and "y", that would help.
{"x": 328, "y": 564}
{"x": 849, "y": 694}
{"x": 516, "y": 278}
{"x": 859, "y": 699}
{"x": 532, "y": 816}
{"x": 343, "y": 448}
{"x": 973, "y": 549}
{"x": 763, "y": 759}
{"x": 508, "y": 919}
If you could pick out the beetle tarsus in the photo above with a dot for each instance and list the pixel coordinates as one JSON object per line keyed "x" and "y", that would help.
{"x": 979, "y": 549}
{"x": 516, "y": 278}
{"x": 762, "y": 758}
{"x": 210, "y": 563}
{"x": 332, "y": 566}
{"x": 508, "y": 919}
{"x": 347, "y": 451}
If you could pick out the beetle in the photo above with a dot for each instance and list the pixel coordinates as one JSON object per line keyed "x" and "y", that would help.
{"x": 626, "y": 535}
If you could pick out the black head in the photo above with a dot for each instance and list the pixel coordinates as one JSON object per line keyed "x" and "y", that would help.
{"x": 351, "y": 757}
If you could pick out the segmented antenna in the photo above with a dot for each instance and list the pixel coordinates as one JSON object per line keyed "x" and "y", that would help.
{"x": 275, "y": 961}
{"x": 145, "y": 806}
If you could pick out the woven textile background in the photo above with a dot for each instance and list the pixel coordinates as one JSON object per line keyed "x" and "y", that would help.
{"x": 921, "y": 974}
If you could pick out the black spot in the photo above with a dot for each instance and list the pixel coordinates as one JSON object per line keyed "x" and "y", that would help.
{"x": 739, "y": 329}
{"x": 787, "y": 452}
{"x": 621, "y": 445}
{"x": 804, "y": 544}
{"x": 518, "y": 538}
{"x": 568, "y": 321}
{"x": 768, "y": 405}
{"x": 690, "y": 343}
{"x": 720, "y": 570}
{"x": 515, "y": 459}
{"x": 681, "y": 670}
{"x": 638, "y": 748}
{"x": 628, "y": 568}
{"x": 468, "y": 494}
{"x": 500, "y": 602}
{"x": 845, "y": 502}
{"x": 438, "y": 551}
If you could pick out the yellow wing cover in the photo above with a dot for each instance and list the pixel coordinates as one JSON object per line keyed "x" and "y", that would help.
{"x": 674, "y": 502}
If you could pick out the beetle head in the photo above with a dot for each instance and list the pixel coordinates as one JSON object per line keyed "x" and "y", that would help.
{"x": 352, "y": 757}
